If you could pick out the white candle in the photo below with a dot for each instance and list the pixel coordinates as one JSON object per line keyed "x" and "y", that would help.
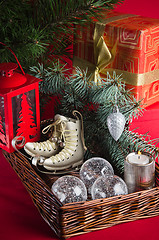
{"x": 138, "y": 159}
{"x": 139, "y": 171}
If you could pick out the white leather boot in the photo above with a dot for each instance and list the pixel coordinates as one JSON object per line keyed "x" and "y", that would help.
{"x": 71, "y": 156}
{"x": 53, "y": 145}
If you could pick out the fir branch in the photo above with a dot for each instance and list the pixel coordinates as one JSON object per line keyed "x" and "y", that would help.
{"x": 79, "y": 81}
{"x": 111, "y": 93}
{"x": 54, "y": 78}
{"x": 142, "y": 142}
{"x": 70, "y": 12}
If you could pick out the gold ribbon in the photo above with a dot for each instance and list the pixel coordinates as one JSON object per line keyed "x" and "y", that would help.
{"x": 136, "y": 79}
{"x": 102, "y": 55}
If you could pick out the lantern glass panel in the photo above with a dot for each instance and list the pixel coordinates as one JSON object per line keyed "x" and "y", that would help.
{"x": 3, "y": 139}
{"x": 24, "y": 115}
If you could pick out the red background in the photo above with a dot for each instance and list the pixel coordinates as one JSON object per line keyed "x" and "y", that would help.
{"x": 20, "y": 220}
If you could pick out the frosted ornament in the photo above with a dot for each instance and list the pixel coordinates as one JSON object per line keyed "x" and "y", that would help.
{"x": 69, "y": 189}
{"x": 94, "y": 168}
{"x": 116, "y": 123}
{"x": 108, "y": 186}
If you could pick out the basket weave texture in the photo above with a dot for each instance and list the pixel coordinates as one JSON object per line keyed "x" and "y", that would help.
{"x": 81, "y": 217}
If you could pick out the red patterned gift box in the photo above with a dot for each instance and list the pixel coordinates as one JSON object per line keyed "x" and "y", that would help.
{"x": 133, "y": 46}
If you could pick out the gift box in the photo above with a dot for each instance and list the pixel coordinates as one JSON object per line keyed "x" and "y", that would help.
{"x": 124, "y": 43}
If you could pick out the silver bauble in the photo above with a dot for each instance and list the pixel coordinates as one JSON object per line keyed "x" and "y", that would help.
{"x": 116, "y": 123}
{"x": 69, "y": 189}
{"x": 108, "y": 186}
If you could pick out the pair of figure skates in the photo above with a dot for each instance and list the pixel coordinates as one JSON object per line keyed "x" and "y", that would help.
{"x": 65, "y": 148}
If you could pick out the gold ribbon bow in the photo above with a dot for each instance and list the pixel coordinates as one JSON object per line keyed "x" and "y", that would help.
{"x": 102, "y": 55}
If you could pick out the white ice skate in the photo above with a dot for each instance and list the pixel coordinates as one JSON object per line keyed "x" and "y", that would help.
{"x": 51, "y": 146}
{"x": 71, "y": 156}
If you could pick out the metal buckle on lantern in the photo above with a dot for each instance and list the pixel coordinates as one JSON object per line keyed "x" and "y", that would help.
{"x": 6, "y": 74}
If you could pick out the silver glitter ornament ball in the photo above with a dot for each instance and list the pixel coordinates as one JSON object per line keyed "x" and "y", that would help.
{"x": 69, "y": 189}
{"x": 94, "y": 168}
{"x": 108, "y": 186}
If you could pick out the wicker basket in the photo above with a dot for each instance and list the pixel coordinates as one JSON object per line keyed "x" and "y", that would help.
{"x": 78, "y": 218}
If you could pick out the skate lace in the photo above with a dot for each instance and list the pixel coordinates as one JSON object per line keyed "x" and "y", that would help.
{"x": 71, "y": 143}
{"x": 47, "y": 145}
{"x": 70, "y": 140}
{"x": 58, "y": 128}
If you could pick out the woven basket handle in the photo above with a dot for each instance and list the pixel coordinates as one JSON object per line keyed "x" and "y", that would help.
{"x": 14, "y": 56}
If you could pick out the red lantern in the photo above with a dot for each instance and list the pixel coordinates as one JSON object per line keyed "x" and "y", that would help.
{"x": 19, "y": 105}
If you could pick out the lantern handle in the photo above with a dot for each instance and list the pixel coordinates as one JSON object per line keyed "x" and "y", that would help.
{"x": 14, "y": 56}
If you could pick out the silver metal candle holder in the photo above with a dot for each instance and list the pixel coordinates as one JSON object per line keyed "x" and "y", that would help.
{"x": 139, "y": 172}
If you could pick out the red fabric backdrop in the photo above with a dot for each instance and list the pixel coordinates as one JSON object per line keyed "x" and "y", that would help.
{"x": 20, "y": 220}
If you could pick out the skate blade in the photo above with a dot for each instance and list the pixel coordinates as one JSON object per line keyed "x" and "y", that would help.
{"x": 73, "y": 167}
